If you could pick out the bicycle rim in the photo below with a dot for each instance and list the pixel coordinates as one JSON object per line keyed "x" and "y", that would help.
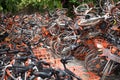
{"x": 59, "y": 48}
{"x": 103, "y": 5}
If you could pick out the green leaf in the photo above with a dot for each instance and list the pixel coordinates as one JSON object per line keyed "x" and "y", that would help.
{"x": 1, "y": 8}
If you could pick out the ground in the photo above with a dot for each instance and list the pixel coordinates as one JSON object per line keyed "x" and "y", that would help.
{"x": 75, "y": 65}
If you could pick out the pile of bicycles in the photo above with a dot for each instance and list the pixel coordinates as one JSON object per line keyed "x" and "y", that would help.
{"x": 100, "y": 36}
{"x": 20, "y": 35}
{"x": 93, "y": 36}
{"x": 21, "y": 64}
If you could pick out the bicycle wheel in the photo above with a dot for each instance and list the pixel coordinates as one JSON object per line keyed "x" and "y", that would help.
{"x": 104, "y": 4}
{"x": 62, "y": 50}
{"x": 80, "y": 10}
{"x": 67, "y": 38}
{"x": 52, "y": 42}
{"x": 94, "y": 63}
{"x": 54, "y": 30}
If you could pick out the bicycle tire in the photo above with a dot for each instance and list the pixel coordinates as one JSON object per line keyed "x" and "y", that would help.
{"x": 61, "y": 39}
{"x": 54, "y": 30}
{"x": 95, "y": 64}
{"x": 80, "y": 10}
{"x": 52, "y": 42}
{"x": 103, "y": 5}
{"x": 59, "y": 48}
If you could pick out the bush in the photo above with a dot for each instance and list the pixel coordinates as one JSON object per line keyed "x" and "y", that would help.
{"x": 17, "y": 5}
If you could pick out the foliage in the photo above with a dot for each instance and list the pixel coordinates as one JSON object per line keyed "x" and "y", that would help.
{"x": 17, "y": 5}
{"x": 9, "y": 5}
